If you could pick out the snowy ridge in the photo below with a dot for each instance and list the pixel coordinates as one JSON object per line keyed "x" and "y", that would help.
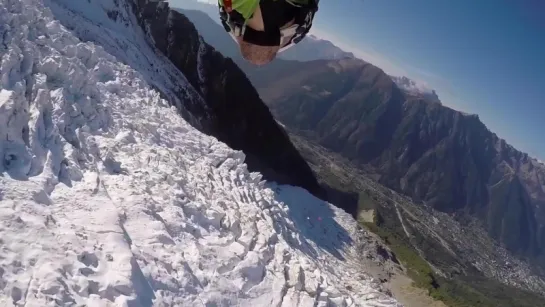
{"x": 415, "y": 88}
{"x": 111, "y": 24}
{"x": 109, "y": 198}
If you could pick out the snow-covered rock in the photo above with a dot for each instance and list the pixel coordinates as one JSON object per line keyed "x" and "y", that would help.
{"x": 109, "y": 198}
{"x": 416, "y": 88}
{"x": 209, "y": 91}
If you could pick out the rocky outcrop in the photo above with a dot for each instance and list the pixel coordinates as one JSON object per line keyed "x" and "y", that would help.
{"x": 413, "y": 88}
{"x": 234, "y": 113}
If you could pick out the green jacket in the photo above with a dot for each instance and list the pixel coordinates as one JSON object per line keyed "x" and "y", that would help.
{"x": 247, "y": 7}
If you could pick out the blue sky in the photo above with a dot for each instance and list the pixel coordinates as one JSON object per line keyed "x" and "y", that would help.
{"x": 485, "y": 57}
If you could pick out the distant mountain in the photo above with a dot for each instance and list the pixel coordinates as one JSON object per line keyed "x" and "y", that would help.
{"x": 432, "y": 153}
{"x": 414, "y": 88}
{"x": 314, "y": 48}
{"x": 193, "y": 5}
{"x": 213, "y": 33}
{"x": 205, "y": 18}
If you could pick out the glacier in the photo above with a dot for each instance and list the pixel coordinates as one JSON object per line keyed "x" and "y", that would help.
{"x": 108, "y": 197}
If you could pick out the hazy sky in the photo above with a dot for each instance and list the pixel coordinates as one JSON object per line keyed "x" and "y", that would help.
{"x": 485, "y": 57}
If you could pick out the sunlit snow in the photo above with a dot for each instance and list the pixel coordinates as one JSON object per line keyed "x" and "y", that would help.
{"x": 109, "y": 198}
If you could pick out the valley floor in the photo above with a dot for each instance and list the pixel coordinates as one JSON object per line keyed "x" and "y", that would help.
{"x": 427, "y": 242}
{"x": 411, "y": 296}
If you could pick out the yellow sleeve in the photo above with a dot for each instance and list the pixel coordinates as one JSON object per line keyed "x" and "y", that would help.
{"x": 245, "y": 7}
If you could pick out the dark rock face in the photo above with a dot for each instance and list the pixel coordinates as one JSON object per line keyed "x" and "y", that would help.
{"x": 432, "y": 153}
{"x": 233, "y": 113}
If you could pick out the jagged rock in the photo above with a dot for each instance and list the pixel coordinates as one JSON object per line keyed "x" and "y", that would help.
{"x": 234, "y": 113}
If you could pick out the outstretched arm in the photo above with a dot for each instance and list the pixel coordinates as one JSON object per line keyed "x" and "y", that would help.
{"x": 245, "y": 7}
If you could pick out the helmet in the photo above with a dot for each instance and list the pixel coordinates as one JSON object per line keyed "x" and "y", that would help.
{"x": 285, "y": 37}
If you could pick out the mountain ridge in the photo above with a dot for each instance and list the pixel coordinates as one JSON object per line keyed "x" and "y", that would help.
{"x": 315, "y": 48}
{"x": 309, "y": 49}
{"x": 415, "y": 88}
{"x": 306, "y": 106}
{"x": 403, "y": 138}
{"x": 226, "y": 91}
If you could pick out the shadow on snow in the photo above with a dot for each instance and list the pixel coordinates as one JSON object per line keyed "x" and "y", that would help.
{"x": 313, "y": 220}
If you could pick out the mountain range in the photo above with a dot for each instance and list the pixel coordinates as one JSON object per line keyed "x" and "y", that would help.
{"x": 398, "y": 133}
{"x": 314, "y": 48}
{"x": 311, "y": 48}
{"x": 436, "y": 155}
{"x": 204, "y": 16}
{"x": 146, "y": 168}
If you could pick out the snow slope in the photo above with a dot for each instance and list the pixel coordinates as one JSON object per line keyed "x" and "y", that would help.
{"x": 109, "y": 198}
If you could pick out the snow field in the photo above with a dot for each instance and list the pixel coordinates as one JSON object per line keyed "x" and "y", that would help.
{"x": 109, "y": 198}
